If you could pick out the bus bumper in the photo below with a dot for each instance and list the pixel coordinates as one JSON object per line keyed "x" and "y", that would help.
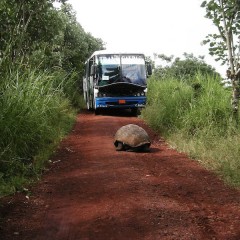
{"x": 120, "y": 102}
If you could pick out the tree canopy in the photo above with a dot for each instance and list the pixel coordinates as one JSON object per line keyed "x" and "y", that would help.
{"x": 35, "y": 33}
{"x": 183, "y": 69}
{"x": 225, "y": 15}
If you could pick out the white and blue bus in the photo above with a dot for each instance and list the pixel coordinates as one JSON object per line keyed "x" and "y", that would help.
{"x": 116, "y": 80}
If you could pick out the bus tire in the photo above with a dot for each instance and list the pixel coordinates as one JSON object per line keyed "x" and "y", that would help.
{"x": 97, "y": 111}
{"x": 135, "y": 111}
{"x": 88, "y": 107}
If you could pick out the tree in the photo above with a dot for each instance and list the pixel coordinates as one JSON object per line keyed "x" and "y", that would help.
{"x": 35, "y": 34}
{"x": 76, "y": 45}
{"x": 183, "y": 69}
{"x": 27, "y": 26}
{"x": 225, "y": 14}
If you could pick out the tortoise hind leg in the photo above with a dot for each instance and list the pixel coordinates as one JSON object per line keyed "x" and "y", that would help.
{"x": 145, "y": 147}
{"x": 142, "y": 148}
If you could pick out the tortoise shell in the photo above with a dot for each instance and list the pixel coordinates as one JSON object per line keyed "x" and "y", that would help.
{"x": 131, "y": 136}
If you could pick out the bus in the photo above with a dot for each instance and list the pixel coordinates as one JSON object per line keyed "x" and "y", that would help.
{"x": 115, "y": 80}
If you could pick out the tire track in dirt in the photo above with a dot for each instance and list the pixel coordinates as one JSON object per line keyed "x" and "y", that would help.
{"x": 93, "y": 192}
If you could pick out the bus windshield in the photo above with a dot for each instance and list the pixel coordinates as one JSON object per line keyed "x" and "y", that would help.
{"x": 113, "y": 68}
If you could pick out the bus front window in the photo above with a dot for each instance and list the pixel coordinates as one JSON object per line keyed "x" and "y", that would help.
{"x": 108, "y": 69}
{"x": 121, "y": 68}
{"x": 133, "y": 69}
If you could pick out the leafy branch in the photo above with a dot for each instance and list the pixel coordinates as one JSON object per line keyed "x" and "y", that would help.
{"x": 225, "y": 15}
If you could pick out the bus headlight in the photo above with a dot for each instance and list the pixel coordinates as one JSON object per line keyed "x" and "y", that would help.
{"x": 140, "y": 94}
{"x": 96, "y": 91}
{"x": 101, "y": 94}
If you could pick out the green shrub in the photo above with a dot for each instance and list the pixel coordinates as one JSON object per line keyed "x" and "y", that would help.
{"x": 168, "y": 100}
{"x": 35, "y": 115}
{"x": 196, "y": 117}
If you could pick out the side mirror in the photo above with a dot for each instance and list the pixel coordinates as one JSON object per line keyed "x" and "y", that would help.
{"x": 149, "y": 69}
{"x": 93, "y": 69}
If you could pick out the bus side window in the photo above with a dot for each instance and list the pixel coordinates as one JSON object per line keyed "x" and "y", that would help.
{"x": 149, "y": 68}
{"x": 91, "y": 67}
{"x": 86, "y": 69}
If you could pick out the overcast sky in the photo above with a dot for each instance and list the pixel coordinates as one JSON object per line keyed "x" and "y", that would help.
{"x": 169, "y": 27}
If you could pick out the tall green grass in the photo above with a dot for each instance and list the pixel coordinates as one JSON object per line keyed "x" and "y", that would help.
{"x": 195, "y": 116}
{"x": 35, "y": 114}
{"x": 167, "y": 101}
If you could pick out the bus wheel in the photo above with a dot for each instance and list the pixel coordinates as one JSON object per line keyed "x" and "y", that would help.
{"x": 97, "y": 111}
{"x": 88, "y": 106}
{"x": 135, "y": 111}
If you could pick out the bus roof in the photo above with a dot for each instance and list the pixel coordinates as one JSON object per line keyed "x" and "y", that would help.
{"x": 100, "y": 52}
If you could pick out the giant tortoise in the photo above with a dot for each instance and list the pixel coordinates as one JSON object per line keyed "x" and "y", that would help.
{"x": 131, "y": 137}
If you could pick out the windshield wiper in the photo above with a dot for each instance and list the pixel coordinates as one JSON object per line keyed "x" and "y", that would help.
{"x": 126, "y": 79}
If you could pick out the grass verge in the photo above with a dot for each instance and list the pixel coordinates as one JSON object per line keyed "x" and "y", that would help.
{"x": 196, "y": 117}
{"x": 35, "y": 115}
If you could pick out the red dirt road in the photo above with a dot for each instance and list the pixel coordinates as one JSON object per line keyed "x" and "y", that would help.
{"x": 92, "y": 192}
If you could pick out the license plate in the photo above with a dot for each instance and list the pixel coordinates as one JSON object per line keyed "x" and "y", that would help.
{"x": 121, "y": 101}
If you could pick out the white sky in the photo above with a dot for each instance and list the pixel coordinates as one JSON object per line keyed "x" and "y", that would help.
{"x": 169, "y": 27}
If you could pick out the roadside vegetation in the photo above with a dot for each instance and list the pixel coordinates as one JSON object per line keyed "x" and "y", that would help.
{"x": 192, "y": 110}
{"x": 42, "y": 54}
{"x": 190, "y": 107}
